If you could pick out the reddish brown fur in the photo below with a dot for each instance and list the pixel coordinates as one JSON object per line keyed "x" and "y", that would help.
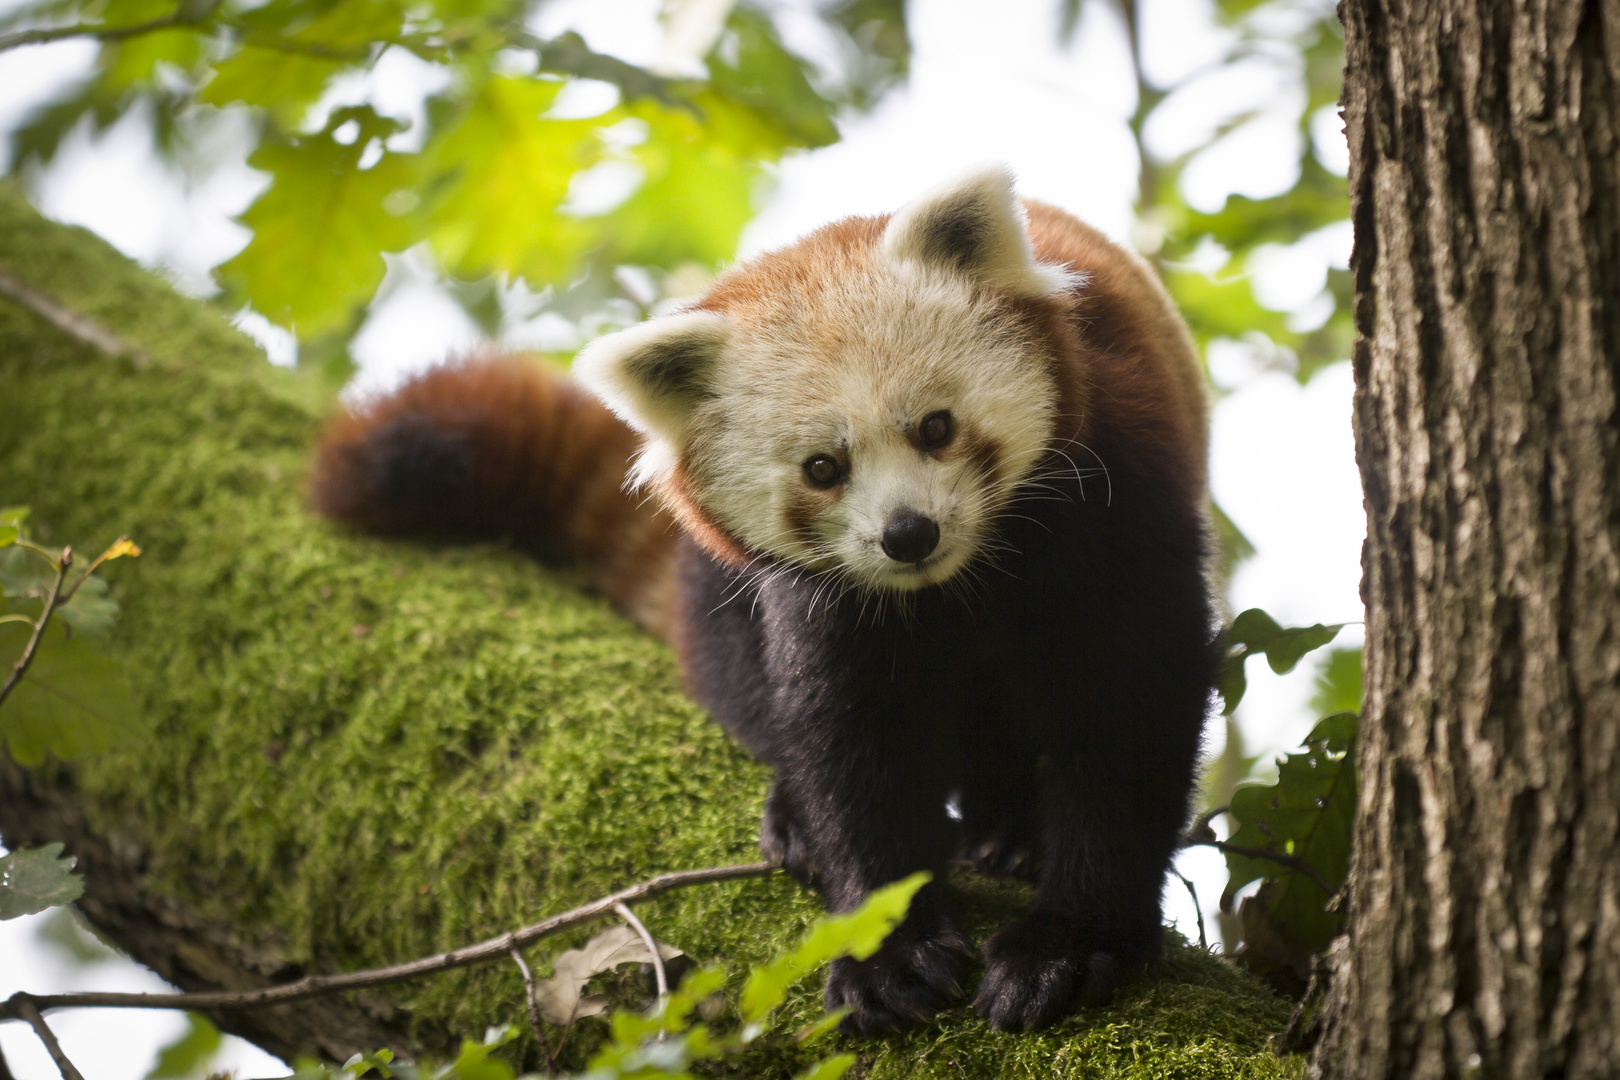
{"x": 1137, "y": 358}
{"x": 549, "y": 475}
{"x": 977, "y": 447}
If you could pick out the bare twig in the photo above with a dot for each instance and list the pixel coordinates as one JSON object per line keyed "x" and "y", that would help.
{"x": 1198, "y": 911}
{"x": 648, "y": 940}
{"x": 5, "y": 1070}
{"x": 26, "y": 1010}
{"x": 1201, "y": 835}
{"x": 64, "y": 561}
{"x": 651, "y": 942}
{"x": 69, "y": 322}
{"x": 567, "y": 54}
{"x": 529, "y": 993}
{"x": 1201, "y": 825}
{"x": 1293, "y": 862}
{"x": 312, "y": 985}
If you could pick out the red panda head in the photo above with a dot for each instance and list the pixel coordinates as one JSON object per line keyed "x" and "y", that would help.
{"x": 864, "y": 402}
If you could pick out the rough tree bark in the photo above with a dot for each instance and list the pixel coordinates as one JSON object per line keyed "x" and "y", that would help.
{"x": 1484, "y": 913}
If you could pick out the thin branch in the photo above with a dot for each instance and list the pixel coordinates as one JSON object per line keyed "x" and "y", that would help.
{"x": 45, "y": 34}
{"x": 567, "y": 54}
{"x": 530, "y": 992}
{"x": 5, "y": 1070}
{"x": 1293, "y": 862}
{"x": 651, "y": 942}
{"x": 26, "y": 1010}
{"x": 1198, "y": 910}
{"x": 648, "y": 940}
{"x": 27, "y": 657}
{"x": 312, "y": 985}
{"x": 69, "y": 322}
{"x": 117, "y": 549}
{"x": 1201, "y": 825}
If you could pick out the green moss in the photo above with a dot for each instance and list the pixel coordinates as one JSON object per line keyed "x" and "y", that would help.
{"x": 359, "y": 752}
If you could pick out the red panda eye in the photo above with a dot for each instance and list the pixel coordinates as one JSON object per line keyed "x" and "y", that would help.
{"x": 936, "y": 430}
{"x": 823, "y": 471}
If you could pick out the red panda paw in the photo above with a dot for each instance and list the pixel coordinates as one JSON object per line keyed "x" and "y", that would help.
{"x": 913, "y": 976}
{"x": 1038, "y": 970}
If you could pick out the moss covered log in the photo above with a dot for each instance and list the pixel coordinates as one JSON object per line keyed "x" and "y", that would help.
{"x": 349, "y": 753}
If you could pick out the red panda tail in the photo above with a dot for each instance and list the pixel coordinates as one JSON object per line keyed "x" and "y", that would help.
{"x": 491, "y": 448}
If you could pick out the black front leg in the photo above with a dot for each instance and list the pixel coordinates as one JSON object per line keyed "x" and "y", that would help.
{"x": 1117, "y": 771}
{"x": 861, "y": 736}
{"x": 849, "y": 823}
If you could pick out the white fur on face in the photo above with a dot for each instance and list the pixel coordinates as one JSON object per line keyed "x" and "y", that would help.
{"x": 851, "y": 375}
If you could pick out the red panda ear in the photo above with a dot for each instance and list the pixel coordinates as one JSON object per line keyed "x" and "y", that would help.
{"x": 656, "y": 374}
{"x": 975, "y": 226}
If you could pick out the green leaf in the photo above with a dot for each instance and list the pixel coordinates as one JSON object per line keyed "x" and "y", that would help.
{"x": 90, "y": 611}
{"x": 288, "y": 58}
{"x": 319, "y": 231}
{"x": 749, "y": 65}
{"x": 1338, "y": 685}
{"x": 831, "y": 1069}
{"x": 71, "y": 701}
{"x": 13, "y": 515}
{"x": 698, "y": 189}
{"x": 187, "y": 1055}
{"x": 287, "y": 84}
{"x": 857, "y": 934}
{"x": 474, "y": 1062}
{"x": 1283, "y": 647}
{"x": 504, "y": 170}
{"x": 25, "y": 573}
{"x": 1232, "y": 546}
{"x": 8, "y": 535}
{"x": 1308, "y": 813}
{"x": 1223, "y": 307}
{"x": 698, "y": 985}
{"x": 34, "y": 879}
{"x": 880, "y": 55}
{"x": 70, "y": 937}
{"x": 1254, "y": 632}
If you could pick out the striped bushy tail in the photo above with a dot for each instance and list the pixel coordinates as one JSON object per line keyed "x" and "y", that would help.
{"x": 501, "y": 448}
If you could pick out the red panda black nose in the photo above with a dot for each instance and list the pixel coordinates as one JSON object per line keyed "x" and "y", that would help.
{"x": 909, "y": 537}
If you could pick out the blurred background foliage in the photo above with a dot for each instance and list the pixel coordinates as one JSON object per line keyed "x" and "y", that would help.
{"x": 534, "y": 175}
{"x": 537, "y": 172}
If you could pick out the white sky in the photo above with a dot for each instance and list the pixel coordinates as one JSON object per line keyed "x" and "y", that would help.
{"x": 981, "y": 89}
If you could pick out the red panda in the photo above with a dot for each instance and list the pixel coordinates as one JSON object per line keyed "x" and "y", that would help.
{"x": 929, "y": 540}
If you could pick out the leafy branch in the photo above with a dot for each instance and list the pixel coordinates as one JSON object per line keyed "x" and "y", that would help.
{"x": 1202, "y": 835}
{"x": 52, "y": 597}
{"x": 184, "y": 15}
{"x": 55, "y": 596}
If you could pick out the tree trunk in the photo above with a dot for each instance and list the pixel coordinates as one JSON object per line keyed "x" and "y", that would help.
{"x": 1483, "y": 934}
